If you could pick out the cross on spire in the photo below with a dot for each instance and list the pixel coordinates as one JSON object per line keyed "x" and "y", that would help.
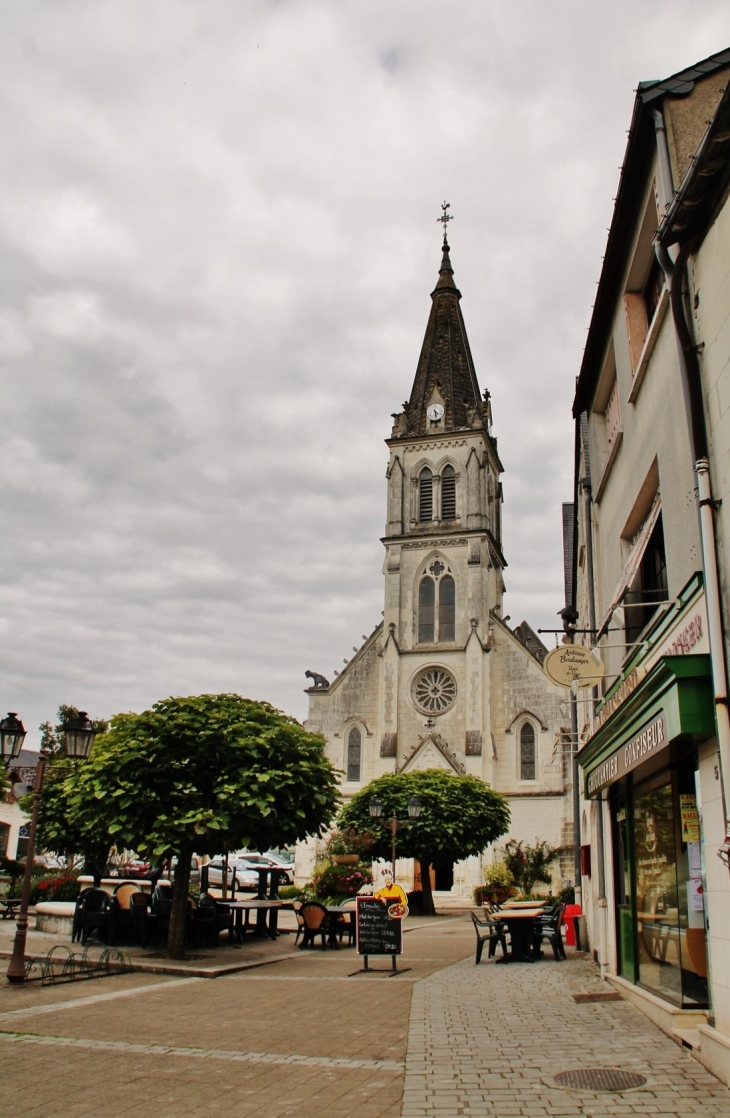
{"x": 445, "y": 217}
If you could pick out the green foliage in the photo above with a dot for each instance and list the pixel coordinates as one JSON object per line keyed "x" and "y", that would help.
{"x": 528, "y": 864}
{"x": 61, "y": 886}
{"x": 567, "y": 895}
{"x": 498, "y": 885}
{"x": 340, "y": 881}
{"x": 201, "y": 773}
{"x": 350, "y": 841}
{"x": 460, "y": 815}
{"x": 498, "y": 875}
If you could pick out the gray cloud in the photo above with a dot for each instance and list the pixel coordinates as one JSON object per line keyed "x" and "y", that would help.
{"x": 218, "y": 240}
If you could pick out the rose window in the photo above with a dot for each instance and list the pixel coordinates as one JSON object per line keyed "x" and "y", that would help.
{"x": 434, "y": 691}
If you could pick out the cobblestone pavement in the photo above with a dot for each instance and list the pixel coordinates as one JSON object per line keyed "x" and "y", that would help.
{"x": 486, "y": 1041}
{"x": 302, "y": 1037}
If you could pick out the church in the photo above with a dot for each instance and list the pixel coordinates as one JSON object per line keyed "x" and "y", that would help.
{"x": 443, "y": 681}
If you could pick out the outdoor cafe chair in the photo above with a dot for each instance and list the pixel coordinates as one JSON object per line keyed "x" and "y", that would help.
{"x": 98, "y": 915}
{"x": 300, "y": 921}
{"x": 316, "y": 922}
{"x": 491, "y": 932}
{"x": 139, "y": 911}
{"x": 77, "y": 926}
{"x": 549, "y": 927}
{"x": 160, "y": 908}
{"x": 211, "y": 918}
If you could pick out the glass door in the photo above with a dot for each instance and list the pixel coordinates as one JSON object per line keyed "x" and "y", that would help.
{"x": 622, "y": 884}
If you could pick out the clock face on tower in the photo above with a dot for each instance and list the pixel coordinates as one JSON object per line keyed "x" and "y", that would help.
{"x": 435, "y": 412}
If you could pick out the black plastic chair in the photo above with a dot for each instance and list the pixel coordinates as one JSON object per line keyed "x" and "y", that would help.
{"x": 491, "y": 932}
{"x": 139, "y": 912}
{"x": 211, "y": 918}
{"x": 159, "y": 917}
{"x": 98, "y": 915}
{"x": 316, "y": 922}
{"x": 549, "y": 927}
{"x": 78, "y": 921}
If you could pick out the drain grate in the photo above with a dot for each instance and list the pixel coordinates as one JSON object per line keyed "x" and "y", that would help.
{"x": 600, "y": 1079}
{"x": 597, "y": 998}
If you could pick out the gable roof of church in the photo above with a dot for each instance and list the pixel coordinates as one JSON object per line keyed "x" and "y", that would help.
{"x": 445, "y": 366}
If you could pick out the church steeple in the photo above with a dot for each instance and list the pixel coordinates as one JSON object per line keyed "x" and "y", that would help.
{"x": 445, "y": 374}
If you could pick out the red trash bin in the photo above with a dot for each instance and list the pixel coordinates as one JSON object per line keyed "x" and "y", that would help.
{"x": 571, "y": 910}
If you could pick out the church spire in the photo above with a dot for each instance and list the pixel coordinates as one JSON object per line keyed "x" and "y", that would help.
{"x": 445, "y": 374}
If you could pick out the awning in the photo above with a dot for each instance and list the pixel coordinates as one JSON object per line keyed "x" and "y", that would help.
{"x": 631, "y": 567}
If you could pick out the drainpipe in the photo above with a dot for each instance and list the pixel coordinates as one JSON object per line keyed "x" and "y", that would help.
{"x": 692, "y": 382}
{"x": 692, "y": 387}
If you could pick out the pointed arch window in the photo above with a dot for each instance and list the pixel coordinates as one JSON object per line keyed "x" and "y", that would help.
{"x": 354, "y": 754}
{"x": 425, "y": 494}
{"x": 426, "y": 611}
{"x": 528, "y": 767}
{"x": 448, "y": 493}
{"x": 436, "y": 605}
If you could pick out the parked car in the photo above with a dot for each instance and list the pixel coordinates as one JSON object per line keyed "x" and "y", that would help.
{"x": 246, "y": 875}
{"x": 138, "y": 867}
{"x": 274, "y": 862}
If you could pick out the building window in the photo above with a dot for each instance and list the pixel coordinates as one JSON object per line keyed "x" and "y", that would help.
{"x": 448, "y": 494}
{"x": 447, "y": 609}
{"x": 434, "y": 690}
{"x": 650, "y": 586}
{"x": 426, "y": 611}
{"x": 354, "y": 754}
{"x": 425, "y": 495}
{"x": 527, "y": 752}
{"x": 436, "y": 605}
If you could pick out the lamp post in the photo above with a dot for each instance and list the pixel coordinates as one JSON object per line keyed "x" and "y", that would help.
{"x": 80, "y": 734}
{"x": 375, "y": 807}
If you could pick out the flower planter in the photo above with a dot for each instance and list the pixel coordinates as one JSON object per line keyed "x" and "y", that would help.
{"x": 345, "y": 859}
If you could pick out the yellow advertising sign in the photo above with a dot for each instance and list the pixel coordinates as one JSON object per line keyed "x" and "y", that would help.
{"x": 690, "y": 818}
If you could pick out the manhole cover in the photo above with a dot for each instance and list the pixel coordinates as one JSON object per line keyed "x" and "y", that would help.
{"x": 600, "y": 1079}
{"x": 597, "y": 998}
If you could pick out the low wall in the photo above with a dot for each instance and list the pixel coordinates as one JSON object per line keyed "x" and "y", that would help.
{"x": 55, "y": 917}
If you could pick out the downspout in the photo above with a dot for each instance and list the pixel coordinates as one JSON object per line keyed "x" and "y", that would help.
{"x": 692, "y": 386}
{"x": 570, "y": 619}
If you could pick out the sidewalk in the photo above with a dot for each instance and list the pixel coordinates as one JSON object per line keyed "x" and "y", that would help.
{"x": 308, "y": 1036}
{"x": 488, "y": 1041}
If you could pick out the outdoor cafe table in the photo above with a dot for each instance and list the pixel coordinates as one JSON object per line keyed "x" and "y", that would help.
{"x": 338, "y": 910}
{"x": 521, "y": 925}
{"x": 260, "y": 908}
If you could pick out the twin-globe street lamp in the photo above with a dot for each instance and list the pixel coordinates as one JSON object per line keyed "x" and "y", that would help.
{"x": 375, "y": 807}
{"x": 79, "y": 733}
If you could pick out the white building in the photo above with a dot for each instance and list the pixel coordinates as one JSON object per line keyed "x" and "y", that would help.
{"x": 653, "y": 434}
{"x": 442, "y": 681}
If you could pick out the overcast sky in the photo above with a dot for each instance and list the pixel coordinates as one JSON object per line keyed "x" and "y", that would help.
{"x": 218, "y": 226}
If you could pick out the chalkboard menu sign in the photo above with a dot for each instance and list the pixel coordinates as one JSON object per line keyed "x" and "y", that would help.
{"x": 377, "y": 933}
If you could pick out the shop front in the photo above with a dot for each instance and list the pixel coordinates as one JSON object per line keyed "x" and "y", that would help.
{"x": 643, "y": 759}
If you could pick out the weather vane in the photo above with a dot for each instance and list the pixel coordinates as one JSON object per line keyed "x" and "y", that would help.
{"x": 445, "y": 218}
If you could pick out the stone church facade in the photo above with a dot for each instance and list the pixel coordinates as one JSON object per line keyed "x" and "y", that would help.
{"x": 442, "y": 681}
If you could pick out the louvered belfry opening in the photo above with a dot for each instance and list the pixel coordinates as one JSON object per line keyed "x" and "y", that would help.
{"x": 448, "y": 494}
{"x": 425, "y": 495}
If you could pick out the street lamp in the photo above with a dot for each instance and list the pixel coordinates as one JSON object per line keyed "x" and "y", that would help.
{"x": 12, "y": 736}
{"x": 79, "y": 733}
{"x": 375, "y": 807}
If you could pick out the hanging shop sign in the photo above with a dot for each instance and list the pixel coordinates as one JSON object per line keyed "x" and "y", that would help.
{"x": 573, "y": 662}
{"x": 649, "y": 741}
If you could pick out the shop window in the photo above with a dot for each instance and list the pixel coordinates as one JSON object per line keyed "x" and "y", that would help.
{"x": 528, "y": 766}
{"x": 354, "y": 754}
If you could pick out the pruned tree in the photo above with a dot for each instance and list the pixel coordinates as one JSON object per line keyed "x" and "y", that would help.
{"x": 460, "y": 816}
{"x": 203, "y": 774}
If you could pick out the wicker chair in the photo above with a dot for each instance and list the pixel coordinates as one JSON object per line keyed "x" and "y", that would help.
{"x": 316, "y": 922}
{"x": 491, "y": 932}
{"x": 300, "y": 921}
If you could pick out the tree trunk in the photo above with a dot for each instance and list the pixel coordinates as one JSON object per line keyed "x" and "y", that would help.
{"x": 95, "y": 862}
{"x": 424, "y": 866}
{"x": 179, "y": 911}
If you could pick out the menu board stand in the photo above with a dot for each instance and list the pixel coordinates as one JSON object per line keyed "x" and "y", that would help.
{"x": 377, "y": 933}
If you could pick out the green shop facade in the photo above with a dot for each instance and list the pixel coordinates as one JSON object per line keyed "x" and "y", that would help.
{"x": 643, "y": 761}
